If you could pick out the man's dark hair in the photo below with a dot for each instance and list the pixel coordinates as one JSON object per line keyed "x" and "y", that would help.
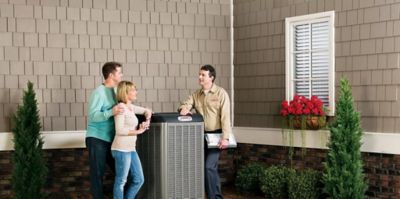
{"x": 211, "y": 71}
{"x": 110, "y": 67}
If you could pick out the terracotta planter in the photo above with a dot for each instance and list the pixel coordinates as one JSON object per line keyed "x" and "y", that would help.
{"x": 312, "y": 123}
{"x": 315, "y": 122}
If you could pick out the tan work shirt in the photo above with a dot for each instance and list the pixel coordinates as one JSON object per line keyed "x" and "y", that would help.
{"x": 213, "y": 106}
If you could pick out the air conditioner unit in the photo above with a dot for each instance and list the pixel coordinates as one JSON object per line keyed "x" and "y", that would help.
{"x": 172, "y": 156}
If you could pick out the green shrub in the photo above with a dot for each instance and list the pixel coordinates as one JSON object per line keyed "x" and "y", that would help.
{"x": 304, "y": 184}
{"x": 344, "y": 175}
{"x": 274, "y": 182}
{"x": 30, "y": 169}
{"x": 247, "y": 180}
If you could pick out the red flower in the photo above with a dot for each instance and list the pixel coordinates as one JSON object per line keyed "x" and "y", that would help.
{"x": 291, "y": 110}
{"x": 314, "y": 98}
{"x": 285, "y": 104}
{"x": 303, "y": 99}
{"x": 300, "y": 105}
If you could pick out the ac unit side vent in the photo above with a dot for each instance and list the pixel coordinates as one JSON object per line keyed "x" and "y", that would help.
{"x": 185, "y": 166}
{"x": 172, "y": 160}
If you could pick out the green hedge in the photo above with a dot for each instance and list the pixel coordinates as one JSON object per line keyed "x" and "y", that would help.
{"x": 274, "y": 182}
{"x": 278, "y": 182}
{"x": 248, "y": 178}
{"x": 304, "y": 184}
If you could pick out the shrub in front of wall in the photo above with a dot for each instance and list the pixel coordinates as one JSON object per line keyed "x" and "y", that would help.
{"x": 274, "y": 182}
{"x": 344, "y": 175}
{"x": 30, "y": 171}
{"x": 247, "y": 180}
{"x": 304, "y": 184}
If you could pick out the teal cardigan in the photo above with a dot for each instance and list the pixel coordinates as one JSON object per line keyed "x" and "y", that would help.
{"x": 100, "y": 118}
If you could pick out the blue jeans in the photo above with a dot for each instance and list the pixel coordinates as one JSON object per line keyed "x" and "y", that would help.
{"x": 99, "y": 156}
{"x": 127, "y": 163}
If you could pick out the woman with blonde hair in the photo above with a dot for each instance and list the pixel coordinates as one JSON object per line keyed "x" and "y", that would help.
{"x": 123, "y": 147}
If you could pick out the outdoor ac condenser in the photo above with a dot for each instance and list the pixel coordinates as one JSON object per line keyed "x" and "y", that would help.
{"x": 172, "y": 157}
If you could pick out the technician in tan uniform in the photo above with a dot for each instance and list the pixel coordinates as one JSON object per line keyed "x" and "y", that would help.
{"x": 212, "y": 102}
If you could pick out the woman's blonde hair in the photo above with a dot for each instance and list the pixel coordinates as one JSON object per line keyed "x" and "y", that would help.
{"x": 122, "y": 90}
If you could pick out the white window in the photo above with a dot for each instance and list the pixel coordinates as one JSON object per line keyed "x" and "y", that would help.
{"x": 310, "y": 57}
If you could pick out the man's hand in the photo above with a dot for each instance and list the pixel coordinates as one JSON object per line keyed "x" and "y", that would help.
{"x": 118, "y": 109}
{"x": 223, "y": 143}
{"x": 184, "y": 111}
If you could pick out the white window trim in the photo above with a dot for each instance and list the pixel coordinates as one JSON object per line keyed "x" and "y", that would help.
{"x": 289, "y": 24}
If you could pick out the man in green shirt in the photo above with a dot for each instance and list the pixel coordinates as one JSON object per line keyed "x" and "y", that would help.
{"x": 101, "y": 129}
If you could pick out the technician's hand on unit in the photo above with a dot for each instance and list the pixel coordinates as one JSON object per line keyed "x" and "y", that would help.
{"x": 184, "y": 111}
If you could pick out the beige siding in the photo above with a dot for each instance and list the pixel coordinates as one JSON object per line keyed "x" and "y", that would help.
{"x": 61, "y": 46}
{"x": 367, "y": 53}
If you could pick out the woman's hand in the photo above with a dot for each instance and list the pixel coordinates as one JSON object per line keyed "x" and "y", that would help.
{"x": 146, "y": 124}
{"x": 148, "y": 113}
{"x": 142, "y": 128}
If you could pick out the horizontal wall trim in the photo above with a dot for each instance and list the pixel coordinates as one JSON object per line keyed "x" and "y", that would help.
{"x": 52, "y": 140}
{"x": 372, "y": 142}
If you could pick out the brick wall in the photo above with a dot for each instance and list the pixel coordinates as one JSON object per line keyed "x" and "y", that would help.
{"x": 382, "y": 170}
{"x": 367, "y": 47}
{"x": 60, "y": 45}
{"x": 68, "y": 175}
{"x": 69, "y": 171}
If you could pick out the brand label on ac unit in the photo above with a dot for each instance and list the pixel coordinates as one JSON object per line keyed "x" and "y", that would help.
{"x": 185, "y": 118}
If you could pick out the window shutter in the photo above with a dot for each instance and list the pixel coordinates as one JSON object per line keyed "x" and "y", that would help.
{"x": 311, "y": 60}
{"x": 302, "y": 59}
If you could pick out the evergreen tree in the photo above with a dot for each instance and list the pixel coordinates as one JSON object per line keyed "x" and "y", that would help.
{"x": 30, "y": 171}
{"x": 343, "y": 176}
